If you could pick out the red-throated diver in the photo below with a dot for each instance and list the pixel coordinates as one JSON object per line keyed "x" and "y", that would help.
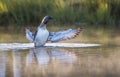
{"x": 42, "y": 35}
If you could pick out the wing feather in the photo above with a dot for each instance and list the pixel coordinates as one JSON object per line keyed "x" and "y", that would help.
{"x": 63, "y": 35}
{"x": 29, "y": 35}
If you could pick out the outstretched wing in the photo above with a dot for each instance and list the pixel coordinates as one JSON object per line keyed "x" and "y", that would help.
{"x": 29, "y": 35}
{"x": 63, "y": 35}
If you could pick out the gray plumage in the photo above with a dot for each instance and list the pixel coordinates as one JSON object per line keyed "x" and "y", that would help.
{"x": 42, "y": 35}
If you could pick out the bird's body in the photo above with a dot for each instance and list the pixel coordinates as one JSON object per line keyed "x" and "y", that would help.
{"x": 42, "y": 35}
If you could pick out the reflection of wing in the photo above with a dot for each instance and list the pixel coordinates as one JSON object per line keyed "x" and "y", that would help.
{"x": 29, "y": 35}
{"x": 63, "y": 55}
{"x": 63, "y": 35}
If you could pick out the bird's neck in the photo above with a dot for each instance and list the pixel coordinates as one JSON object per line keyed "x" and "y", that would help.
{"x": 42, "y": 26}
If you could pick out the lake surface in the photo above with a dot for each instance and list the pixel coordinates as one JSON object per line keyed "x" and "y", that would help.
{"x": 98, "y": 61}
{"x": 91, "y": 54}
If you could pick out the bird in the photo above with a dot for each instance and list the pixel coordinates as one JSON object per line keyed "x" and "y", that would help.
{"x": 42, "y": 35}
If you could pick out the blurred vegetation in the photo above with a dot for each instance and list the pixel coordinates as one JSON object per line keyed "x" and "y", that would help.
{"x": 27, "y": 12}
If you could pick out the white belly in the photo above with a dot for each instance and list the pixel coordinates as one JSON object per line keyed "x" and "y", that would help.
{"x": 41, "y": 37}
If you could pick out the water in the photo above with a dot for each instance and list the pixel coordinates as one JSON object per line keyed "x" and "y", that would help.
{"x": 16, "y": 46}
{"x": 91, "y": 54}
{"x": 51, "y": 61}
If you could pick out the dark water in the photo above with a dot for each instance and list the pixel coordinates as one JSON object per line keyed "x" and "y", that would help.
{"x": 101, "y": 61}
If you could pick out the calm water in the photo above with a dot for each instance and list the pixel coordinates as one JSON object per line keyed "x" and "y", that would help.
{"x": 23, "y": 60}
{"x": 102, "y": 61}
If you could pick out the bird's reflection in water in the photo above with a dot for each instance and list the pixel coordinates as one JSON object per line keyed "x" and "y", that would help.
{"x": 2, "y": 64}
{"x": 43, "y": 56}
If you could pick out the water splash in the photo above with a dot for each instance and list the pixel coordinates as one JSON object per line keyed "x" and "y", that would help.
{"x": 15, "y": 46}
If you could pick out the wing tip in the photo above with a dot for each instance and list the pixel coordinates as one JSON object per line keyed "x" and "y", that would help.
{"x": 78, "y": 30}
